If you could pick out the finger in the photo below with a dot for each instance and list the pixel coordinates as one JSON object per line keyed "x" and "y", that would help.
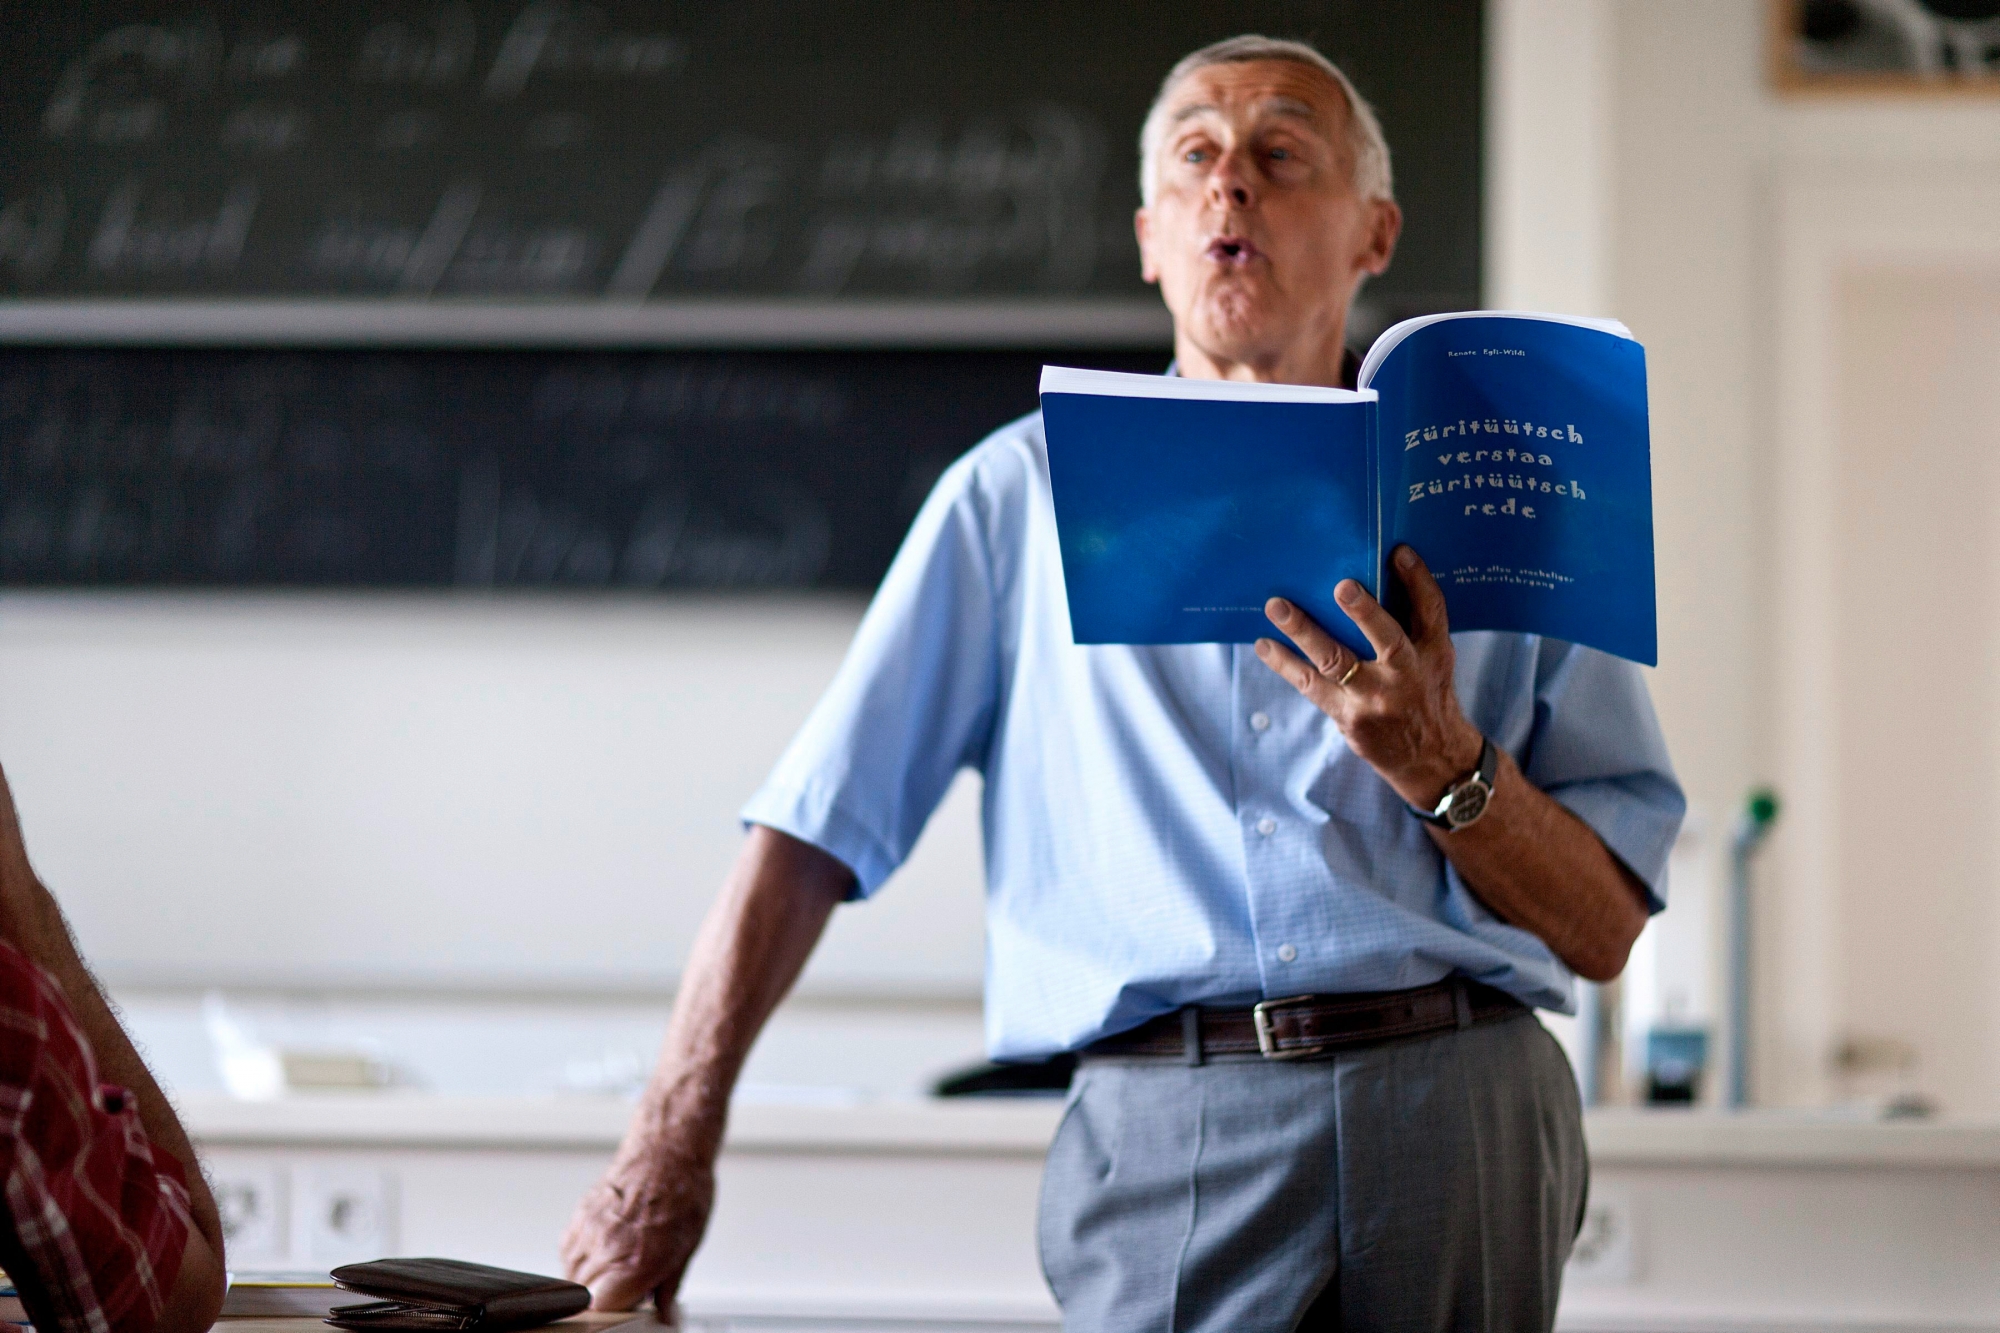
{"x": 1297, "y": 672}
{"x": 618, "y": 1289}
{"x": 597, "y": 1267}
{"x": 590, "y": 1270}
{"x": 1383, "y": 633}
{"x": 1319, "y": 648}
{"x": 1428, "y": 621}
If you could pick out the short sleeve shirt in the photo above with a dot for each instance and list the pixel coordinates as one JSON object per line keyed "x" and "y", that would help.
{"x": 1175, "y": 825}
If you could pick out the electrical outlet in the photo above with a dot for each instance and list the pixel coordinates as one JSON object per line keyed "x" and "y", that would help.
{"x": 251, "y": 1200}
{"x": 345, "y": 1214}
{"x": 1606, "y": 1252}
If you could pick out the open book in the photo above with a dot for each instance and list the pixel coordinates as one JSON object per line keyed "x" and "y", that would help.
{"x": 1510, "y": 450}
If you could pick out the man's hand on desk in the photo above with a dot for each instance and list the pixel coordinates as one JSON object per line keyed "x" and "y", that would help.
{"x": 636, "y": 1229}
{"x": 1530, "y": 860}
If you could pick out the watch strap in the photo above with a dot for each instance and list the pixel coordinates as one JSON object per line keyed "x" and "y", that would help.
{"x": 1484, "y": 773}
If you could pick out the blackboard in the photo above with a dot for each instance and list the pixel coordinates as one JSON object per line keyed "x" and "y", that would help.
{"x": 627, "y": 151}
{"x": 484, "y": 468}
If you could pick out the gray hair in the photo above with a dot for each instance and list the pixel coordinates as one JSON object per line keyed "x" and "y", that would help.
{"x": 1367, "y": 150}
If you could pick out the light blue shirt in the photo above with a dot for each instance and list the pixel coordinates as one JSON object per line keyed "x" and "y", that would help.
{"x": 1174, "y": 825}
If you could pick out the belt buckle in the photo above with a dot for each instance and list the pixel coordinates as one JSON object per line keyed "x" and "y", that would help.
{"x": 1267, "y": 1041}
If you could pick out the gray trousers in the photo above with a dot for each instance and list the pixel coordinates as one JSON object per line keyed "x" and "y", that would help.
{"x": 1425, "y": 1184}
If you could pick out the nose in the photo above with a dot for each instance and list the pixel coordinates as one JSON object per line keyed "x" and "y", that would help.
{"x": 1230, "y": 183}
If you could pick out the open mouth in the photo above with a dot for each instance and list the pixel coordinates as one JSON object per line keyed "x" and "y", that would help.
{"x": 1233, "y": 250}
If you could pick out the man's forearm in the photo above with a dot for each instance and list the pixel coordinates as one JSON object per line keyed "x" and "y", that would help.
{"x": 751, "y": 948}
{"x": 1539, "y": 867}
{"x": 1532, "y": 862}
{"x": 635, "y": 1230}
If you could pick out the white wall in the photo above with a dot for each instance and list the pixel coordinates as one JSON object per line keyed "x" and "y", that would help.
{"x": 345, "y": 790}
{"x": 1685, "y": 122}
{"x": 1637, "y": 155}
{"x": 1548, "y": 156}
{"x": 1700, "y": 148}
{"x": 1917, "y": 996}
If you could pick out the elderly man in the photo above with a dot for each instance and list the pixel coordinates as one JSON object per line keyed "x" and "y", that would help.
{"x": 1292, "y": 909}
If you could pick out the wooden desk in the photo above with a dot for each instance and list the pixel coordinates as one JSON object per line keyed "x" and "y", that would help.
{"x": 591, "y": 1322}
{"x": 588, "y": 1322}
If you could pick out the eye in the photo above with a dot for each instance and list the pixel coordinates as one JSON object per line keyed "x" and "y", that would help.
{"x": 1281, "y": 154}
{"x": 1195, "y": 155}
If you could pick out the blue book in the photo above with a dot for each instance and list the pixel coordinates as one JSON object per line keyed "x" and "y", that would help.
{"x": 1510, "y": 450}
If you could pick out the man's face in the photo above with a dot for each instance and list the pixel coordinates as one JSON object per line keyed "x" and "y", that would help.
{"x": 1255, "y": 234}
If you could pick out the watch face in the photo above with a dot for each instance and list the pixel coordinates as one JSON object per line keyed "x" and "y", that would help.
{"x": 1468, "y": 803}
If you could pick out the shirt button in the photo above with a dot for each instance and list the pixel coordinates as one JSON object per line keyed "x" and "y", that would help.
{"x": 1260, "y": 722}
{"x": 1286, "y": 953}
{"x": 1267, "y": 826}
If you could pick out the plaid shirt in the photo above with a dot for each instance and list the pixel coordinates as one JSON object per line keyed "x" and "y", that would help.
{"x": 95, "y": 1220}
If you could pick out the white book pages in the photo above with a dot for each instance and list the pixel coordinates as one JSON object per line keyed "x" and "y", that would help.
{"x": 1396, "y": 333}
{"x": 1122, "y": 384}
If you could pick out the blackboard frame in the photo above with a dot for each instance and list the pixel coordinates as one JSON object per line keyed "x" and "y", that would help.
{"x": 720, "y": 323}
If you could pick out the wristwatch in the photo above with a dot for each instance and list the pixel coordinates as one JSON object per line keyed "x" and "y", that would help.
{"x": 1466, "y": 799}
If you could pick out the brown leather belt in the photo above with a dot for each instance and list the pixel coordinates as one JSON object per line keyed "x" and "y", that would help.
{"x": 1308, "y": 1025}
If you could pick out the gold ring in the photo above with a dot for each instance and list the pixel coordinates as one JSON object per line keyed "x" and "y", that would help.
{"x": 1350, "y": 672}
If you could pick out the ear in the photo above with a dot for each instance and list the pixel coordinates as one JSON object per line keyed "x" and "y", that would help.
{"x": 1142, "y": 227}
{"x": 1385, "y": 224}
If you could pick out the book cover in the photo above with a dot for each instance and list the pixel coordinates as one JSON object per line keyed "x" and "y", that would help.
{"x": 1516, "y": 460}
{"x": 1510, "y": 450}
{"x": 1182, "y": 505}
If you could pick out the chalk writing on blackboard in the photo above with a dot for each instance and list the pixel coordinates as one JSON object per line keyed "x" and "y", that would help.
{"x": 643, "y": 471}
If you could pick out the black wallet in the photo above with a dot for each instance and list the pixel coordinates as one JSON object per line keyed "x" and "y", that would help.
{"x": 437, "y": 1294}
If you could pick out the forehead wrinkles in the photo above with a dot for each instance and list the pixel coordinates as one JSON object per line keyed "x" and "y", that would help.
{"x": 1290, "y": 92}
{"x": 1261, "y": 109}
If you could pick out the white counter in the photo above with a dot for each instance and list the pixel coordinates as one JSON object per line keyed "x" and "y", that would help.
{"x": 1024, "y": 1125}
{"x": 1786, "y": 1138}
{"x": 846, "y": 1196}
{"x": 998, "y": 1125}
{"x": 902, "y": 1213}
